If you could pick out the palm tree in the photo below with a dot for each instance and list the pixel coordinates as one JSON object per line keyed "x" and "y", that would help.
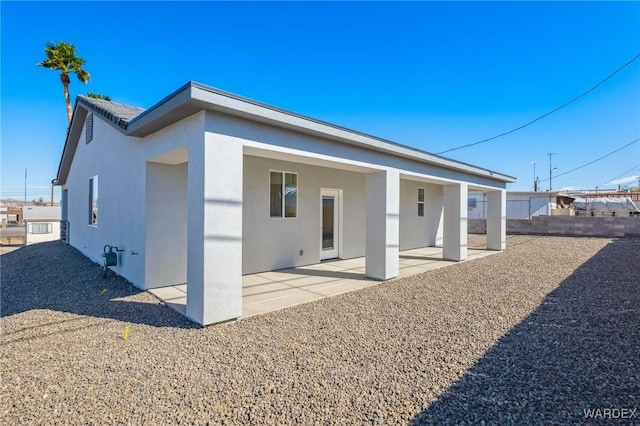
{"x": 99, "y": 96}
{"x": 62, "y": 57}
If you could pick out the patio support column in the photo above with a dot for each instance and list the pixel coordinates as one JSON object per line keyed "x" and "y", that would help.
{"x": 434, "y": 212}
{"x": 214, "y": 270}
{"x": 497, "y": 220}
{"x": 455, "y": 222}
{"x": 383, "y": 225}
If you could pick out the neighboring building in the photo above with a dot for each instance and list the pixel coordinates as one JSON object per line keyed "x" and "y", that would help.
{"x": 206, "y": 186}
{"x": 606, "y": 206}
{"x": 42, "y": 223}
{"x": 12, "y": 231}
{"x": 523, "y": 205}
{"x": 10, "y": 215}
{"x": 607, "y": 203}
{"x": 633, "y": 196}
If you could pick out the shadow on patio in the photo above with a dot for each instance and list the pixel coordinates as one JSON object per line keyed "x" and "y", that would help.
{"x": 578, "y": 351}
{"x": 58, "y": 277}
{"x": 270, "y": 291}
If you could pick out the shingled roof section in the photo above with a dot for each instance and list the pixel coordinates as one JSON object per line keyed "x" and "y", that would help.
{"x": 119, "y": 114}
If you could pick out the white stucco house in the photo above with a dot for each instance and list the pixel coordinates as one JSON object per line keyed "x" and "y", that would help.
{"x": 41, "y": 223}
{"x": 206, "y": 186}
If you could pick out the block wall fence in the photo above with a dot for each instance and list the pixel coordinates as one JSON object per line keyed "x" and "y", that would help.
{"x": 566, "y": 226}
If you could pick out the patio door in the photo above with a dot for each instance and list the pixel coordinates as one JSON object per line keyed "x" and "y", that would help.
{"x": 330, "y": 223}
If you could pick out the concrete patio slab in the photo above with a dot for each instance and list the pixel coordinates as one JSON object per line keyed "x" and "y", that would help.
{"x": 271, "y": 291}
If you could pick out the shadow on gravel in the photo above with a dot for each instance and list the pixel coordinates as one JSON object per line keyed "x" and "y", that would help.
{"x": 580, "y": 350}
{"x": 58, "y": 277}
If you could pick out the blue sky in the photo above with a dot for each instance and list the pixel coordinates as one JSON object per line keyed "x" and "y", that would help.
{"x": 431, "y": 75}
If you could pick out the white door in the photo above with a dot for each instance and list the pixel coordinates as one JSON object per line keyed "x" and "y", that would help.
{"x": 329, "y": 223}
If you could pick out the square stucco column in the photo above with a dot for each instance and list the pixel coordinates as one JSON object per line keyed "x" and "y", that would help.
{"x": 383, "y": 225}
{"x": 435, "y": 212}
{"x": 454, "y": 246}
{"x": 214, "y": 269}
{"x": 497, "y": 220}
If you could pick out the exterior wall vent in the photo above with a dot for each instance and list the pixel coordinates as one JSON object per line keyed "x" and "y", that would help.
{"x": 89, "y": 128}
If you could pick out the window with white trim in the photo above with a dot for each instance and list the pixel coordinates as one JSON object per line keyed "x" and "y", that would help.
{"x": 93, "y": 201}
{"x": 420, "y": 202}
{"x": 40, "y": 228}
{"x": 283, "y": 194}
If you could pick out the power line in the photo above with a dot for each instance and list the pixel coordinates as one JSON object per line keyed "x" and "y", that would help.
{"x": 17, "y": 194}
{"x": 596, "y": 160}
{"x": 621, "y": 174}
{"x": 545, "y": 114}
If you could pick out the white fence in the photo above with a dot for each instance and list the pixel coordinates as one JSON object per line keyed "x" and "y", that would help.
{"x": 524, "y": 208}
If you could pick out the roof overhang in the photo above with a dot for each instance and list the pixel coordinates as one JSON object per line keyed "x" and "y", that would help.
{"x": 71, "y": 143}
{"x": 194, "y": 97}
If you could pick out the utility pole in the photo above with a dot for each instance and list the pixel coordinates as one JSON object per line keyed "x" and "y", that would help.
{"x": 535, "y": 184}
{"x": 550, "y": 169}
{"x": 25, "y": 188}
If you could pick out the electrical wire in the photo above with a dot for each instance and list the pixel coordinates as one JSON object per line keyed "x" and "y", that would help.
{"x": 545, "y": 114}
{"x": 594, "y": 161}
{"x": 620, "y": 175}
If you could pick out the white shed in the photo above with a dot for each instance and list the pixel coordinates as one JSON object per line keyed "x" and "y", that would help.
{"x": 520, "y": 205}
{"x": 42, "y": 223}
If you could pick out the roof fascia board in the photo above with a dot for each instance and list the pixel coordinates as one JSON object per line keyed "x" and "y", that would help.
{"x": 71, "y": 143}
{"x": 152, "y": 120}
{"x": 194, "y": 96}
{"x": 232, "y": 105}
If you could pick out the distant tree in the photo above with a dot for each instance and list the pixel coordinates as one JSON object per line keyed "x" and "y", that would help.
{"x": 99, "y": 96}
{"x": 62, "y": 57}
{"x": 39, "y": 202}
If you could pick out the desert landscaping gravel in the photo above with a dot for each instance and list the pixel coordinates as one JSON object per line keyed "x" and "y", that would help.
{"x": 534, "y": 335}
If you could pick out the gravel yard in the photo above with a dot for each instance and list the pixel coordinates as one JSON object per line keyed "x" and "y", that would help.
{"x": 534, "y": 335}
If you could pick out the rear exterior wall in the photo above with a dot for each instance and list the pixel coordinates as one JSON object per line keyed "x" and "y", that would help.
{"x": 277, "y": 243}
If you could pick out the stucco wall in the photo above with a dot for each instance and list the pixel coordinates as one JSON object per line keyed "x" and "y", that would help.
{"x": 259, "y": 135}
{"x": 119, "y": 162}
{"x": 420, "y": 231}
{"x": 270, "y": 243}
{"x": 166, "y": 224}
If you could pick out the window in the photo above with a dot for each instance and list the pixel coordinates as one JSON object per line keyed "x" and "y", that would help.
{"x": 283, "y": 197}
{"x": 93, "y": 201}
{"x": 472, "y": 203}
{"x": 88, "y": 133}
{"x": 40, "y": 228}
{"x": 420, "y": 202}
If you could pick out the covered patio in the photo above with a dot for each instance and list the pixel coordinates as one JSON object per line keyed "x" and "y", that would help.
{"x": 220, "y": 188}
{"x": 274, "y": 290}
{"x": 255, "y": 197}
